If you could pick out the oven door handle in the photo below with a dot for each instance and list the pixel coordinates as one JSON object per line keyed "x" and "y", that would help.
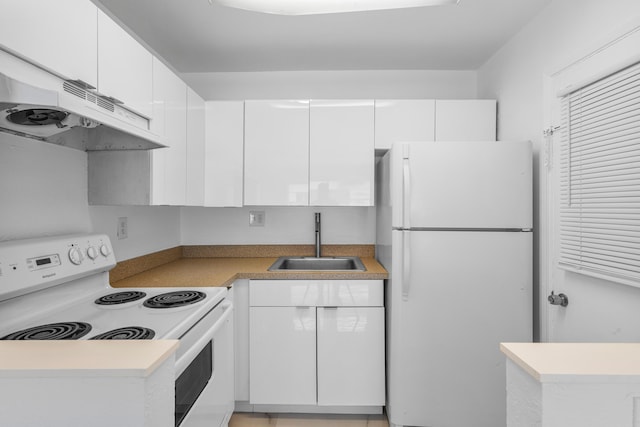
{"x": 189, "y": 355}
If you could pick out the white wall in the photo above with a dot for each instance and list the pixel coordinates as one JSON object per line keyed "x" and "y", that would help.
{"x": 43, "y": 190}
{"x": 430, "y": 84}
{"x": 150, "y": 228}
{"x": 598, "y": 310}
{"x": 283, "y": 225}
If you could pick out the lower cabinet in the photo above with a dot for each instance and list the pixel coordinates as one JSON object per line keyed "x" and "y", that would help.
{"x": 350, "y": 355}
{"x": 282, "y": 355}
{"x": 313, "y": 343}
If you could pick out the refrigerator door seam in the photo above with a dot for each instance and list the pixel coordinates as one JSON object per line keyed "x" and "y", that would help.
{"x": 496, "y": 230}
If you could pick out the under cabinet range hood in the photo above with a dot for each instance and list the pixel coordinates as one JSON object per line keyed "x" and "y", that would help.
{"x": 42, "y": 106}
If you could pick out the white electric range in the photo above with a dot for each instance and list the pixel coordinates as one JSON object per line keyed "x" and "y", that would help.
{"x": 58, "y": 288}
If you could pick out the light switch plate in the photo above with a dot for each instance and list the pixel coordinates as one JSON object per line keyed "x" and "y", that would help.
{"x": 256, "y": 218}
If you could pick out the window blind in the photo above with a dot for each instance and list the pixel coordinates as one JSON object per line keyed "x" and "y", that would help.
{"x": 600, "y": 178}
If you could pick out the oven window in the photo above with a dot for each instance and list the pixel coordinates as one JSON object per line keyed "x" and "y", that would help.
{"x": 192, "y": 381}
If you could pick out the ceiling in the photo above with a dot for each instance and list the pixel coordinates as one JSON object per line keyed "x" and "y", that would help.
{"x": 194, "y": 36}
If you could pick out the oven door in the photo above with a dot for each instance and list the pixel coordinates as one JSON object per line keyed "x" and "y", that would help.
{"x": 200, "y": 402}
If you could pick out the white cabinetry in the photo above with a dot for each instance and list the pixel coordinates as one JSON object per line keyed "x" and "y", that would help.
{"x": 465, "y": 120}
{"x": 61, "y": 36}
{"x": 195, "y": 149}
{"x": 350, "y": 356}
{"x": 155, "y": 177}
{"x": 283, "y": 355}
{"x": 276, "y": 163}
{"x": 223, "y": 153}
{"x": 124, "y": 66}
{"x": 316, "y": 342}
{"x": 404, "y": 120}
{"x": 169, "y": 165}
{"x": 341, "y": 153}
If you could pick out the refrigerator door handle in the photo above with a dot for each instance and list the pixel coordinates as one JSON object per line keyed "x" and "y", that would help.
{"x": 406, "y": 188}
{"x": 406, "y": 264}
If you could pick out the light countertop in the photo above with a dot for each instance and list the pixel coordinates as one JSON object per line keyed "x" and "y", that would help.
{"x": 68, "y": 358}
{"x": 577, "y": 362}
{"x": 213, "y": 272}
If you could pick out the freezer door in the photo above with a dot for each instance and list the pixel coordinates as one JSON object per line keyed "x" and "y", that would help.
{"x": 467, "y": 292}
{"x": 462, "y": 184}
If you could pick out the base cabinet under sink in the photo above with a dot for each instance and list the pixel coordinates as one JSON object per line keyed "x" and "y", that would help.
{"x": 316, "y": 343}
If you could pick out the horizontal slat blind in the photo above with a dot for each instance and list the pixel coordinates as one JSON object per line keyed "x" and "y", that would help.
{"x": 600, "y": 178}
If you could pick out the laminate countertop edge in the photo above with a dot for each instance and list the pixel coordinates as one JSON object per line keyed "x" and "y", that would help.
{"x": 577, "y": 362}
{"x": 217, "y": 272}
{"x": 83, "y": 358}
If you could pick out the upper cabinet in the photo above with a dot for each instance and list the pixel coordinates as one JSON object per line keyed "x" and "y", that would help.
{"x": 276, "y": 159}
{"x": 124, "y": 67}
{"x": 195, "y": 149}
{"x": 60, "y": 36}
{"x": 169, "y": 165}
{"x": 223, "y": 153}
{"x": 405, "y": 120}
{"x": 465, "y": 120}
{"x": 342, "y": 155}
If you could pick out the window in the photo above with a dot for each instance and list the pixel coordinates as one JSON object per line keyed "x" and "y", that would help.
{"x": 600, "y": 178}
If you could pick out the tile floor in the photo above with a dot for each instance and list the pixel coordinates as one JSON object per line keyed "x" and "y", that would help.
{"x": 304, "y": 420}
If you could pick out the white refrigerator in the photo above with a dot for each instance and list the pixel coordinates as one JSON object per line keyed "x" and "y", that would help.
{"x": 454, "y": 230}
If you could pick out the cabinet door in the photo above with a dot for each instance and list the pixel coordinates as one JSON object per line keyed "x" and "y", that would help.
{"x": 195, "y": 149}
{"x": 223, "y": 153}
{"x": 276, "y": 163}
{"x": 351, "y": 356}
{"x": 404, "y": 120}
{"x": 61, "y": 36}
{"x": 124, "y": 67}
{"x": 282, "y": 345}
{"x": 169, "y": 165}
{"x": 466, "y": 120}
{"x": 342, "y": 156}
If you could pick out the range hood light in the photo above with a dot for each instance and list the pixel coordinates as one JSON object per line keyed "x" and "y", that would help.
{"x": 318, "y": 7}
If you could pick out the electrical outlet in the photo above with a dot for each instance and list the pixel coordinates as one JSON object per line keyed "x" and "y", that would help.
{"x": 123, "y": 228}
{"x": 256, "y": 218}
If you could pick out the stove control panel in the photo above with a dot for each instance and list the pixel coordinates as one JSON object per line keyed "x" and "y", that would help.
{"x": 33, "y": 264}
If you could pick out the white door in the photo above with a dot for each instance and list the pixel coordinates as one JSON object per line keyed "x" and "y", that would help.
{"x": 61, "y": 36}
{"x": 403, "y": 120}
{"x": 125, "y": 67}
{"x": 462, "y": 185}
{"x": 351, "y": 356}
{"x": 464, "y": 293}
{"x": 224, "y": 145}
{"x": 341, "y": 153}
{"x": 195, "y": 149}
{"x": 276, "y": 153}
{"x": 282, "y": 355}
{"x": 169, "y": 176}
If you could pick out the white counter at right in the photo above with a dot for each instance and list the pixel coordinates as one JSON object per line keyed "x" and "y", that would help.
{"x": 573, "y": 384}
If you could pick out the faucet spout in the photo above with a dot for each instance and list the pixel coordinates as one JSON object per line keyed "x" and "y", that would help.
{"x": 318, "y": 233}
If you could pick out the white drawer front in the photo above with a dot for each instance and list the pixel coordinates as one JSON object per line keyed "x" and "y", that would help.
{"x": 309, "y": 293}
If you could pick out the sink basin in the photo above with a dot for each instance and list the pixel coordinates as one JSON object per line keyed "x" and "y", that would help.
{"x": 351, "y": 263}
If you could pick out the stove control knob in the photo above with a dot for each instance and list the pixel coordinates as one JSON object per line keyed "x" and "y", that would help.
{"x": 75, "y": 255}
{"x": 92, "y": 252}
{"x": 104, "y": 250}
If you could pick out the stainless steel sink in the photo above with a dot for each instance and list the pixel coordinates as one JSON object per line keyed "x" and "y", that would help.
{"x": 286, "y": 263}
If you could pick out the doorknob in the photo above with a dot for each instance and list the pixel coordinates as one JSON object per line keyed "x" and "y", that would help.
{"x": 560, "y": 299}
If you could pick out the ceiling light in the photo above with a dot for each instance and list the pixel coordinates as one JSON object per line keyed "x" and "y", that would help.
{"x": 316, "y": 7}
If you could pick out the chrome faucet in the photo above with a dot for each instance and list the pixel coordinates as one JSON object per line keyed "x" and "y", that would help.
{"x": 318, "y": 233}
